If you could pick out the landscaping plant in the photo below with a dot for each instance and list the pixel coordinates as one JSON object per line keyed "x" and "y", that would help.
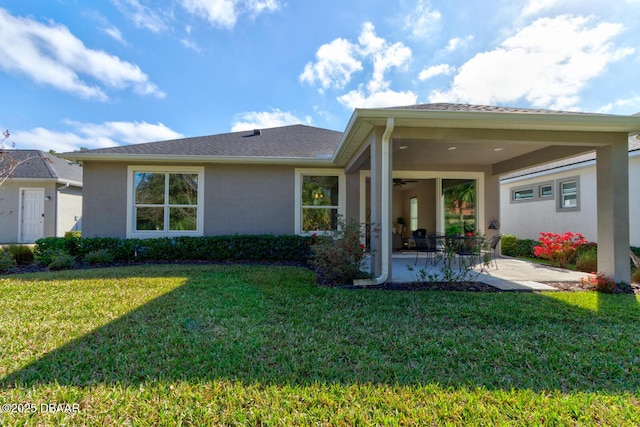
{"x": 600, "y": 283}
{"x": 23, "y": 254}
{"x": 559, "y": 249}
{"x": 587, "y": 260}
{"x": 336, "y": 258}
{"x": 6, "y": 261}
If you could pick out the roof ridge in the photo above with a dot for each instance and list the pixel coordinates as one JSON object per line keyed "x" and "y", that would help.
{"x": 48, "y": 163}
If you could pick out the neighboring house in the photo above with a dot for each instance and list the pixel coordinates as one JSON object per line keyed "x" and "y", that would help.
{"x": 42, "y": 198}
{"x": 561, "y": 196}
{"x": 297, "y": 179}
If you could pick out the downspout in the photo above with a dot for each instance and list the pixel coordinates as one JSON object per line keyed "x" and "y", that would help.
{"x": 385, "y": 199}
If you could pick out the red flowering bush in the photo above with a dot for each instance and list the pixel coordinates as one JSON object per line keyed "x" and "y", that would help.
{"x": 337, "y": 258}
{"x": 600, "y": 283}
{"x": 558, "y": 248}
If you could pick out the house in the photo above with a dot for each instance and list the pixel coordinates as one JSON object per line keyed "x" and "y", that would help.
{"x": 42, "y": 197}
{"x": 561, "y": 196}
{"x": 297, "y": 179}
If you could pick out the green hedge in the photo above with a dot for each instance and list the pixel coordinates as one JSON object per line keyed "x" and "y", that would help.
{"x": 512, "y": 246}
{"x": 288, "y": 248}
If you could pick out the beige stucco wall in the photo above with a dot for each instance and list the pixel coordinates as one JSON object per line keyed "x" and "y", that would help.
{"x": 10, "y": 209}
{"x": 9, "y": 196}
{"x": 69, "y": 216}
{"x": 425, "y": 191}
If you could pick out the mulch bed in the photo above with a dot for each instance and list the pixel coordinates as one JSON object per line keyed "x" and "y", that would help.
{"x": 481, "y": 287}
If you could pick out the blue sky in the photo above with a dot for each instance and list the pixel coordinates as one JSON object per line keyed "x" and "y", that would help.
{"x": 112, "y": 72}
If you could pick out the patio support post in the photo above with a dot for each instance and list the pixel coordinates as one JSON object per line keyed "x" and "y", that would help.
{"x": 376, "y": 202}
{"x": 612, "y": 169}
{"x": 381, "y": 164}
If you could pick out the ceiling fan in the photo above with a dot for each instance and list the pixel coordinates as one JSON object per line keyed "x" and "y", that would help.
{"x": 399, "y": 182}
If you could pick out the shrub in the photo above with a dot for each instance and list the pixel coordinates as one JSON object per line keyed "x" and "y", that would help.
{"x": 285, "y": 248}
{"x": 587, "y": 260}
{"x": 47, "y": 246}
{"x": 99, "y": 257}
{"x": 61, "y": 260}
{"x": 336, "y": 258}
{"x": 560, "y": 249}
{"x": 635, "y": 277}
{"x": 510, "y": 245}
{"x": 600, "y": 283}
{"x": 6, "y": 261}
{"x": 72, "y": 234}
{"x": 22, "y": 254}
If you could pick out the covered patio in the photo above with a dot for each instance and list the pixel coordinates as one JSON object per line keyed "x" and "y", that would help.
{"x": 510, "y": 275}
{"x": 439, "y": 142}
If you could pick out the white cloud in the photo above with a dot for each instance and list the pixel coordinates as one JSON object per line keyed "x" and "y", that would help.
{"x": 383, "y": 54}
{"x": 51, "y": 55}
{"x": 266, "y": 119}
{"x": 92, "y": 135}
{"x": 115, "y": 34}
{"x": 224, "y": 13}
{"x": 142, "y": 16}
{"x": 385, "y": 98}
{"x": 256, "y": 7}
{"x": 423, "y": 20}
{"x": 622, "y": 106}
{"x": 436, "y": 70}
{"x": 535, "y": 6}
{"x": 336, "y": 62}
{"x": 457, "y": 43}
{"x": 547, "y": 63}
{"x": 190, "y": 44}
{"x": 339, "y": 60}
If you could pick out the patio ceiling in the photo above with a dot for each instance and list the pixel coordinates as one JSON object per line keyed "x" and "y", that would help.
{"x": 505, "y": 141}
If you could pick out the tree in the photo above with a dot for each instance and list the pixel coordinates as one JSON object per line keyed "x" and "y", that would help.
{"x": 460, "y": 197}
{"x": 8, "y": 163}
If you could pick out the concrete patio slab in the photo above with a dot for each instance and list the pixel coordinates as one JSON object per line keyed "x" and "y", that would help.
{"x": 510, "y": 274}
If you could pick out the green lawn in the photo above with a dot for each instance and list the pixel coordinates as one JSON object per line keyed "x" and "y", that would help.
{"x": 255, "y": 345}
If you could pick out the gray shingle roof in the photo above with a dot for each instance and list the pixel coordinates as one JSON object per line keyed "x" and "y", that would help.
{"x": 36, "y": 164}
{"x": 483, "y": 109}
{"x": 296, "y": 141}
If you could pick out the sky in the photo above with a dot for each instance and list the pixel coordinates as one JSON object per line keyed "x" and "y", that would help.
{"x": 101, "y": 73}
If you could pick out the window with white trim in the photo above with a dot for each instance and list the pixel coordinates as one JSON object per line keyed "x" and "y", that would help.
{"x": 526, "y": 193}
{"x": 164, "y": 201}
{"x": 319, "y": 200}
{"x": 413, "y": 222}
{"x": 568, "y": 194}
{"x": 538, "y": 191}
{"x": 546, "y": 190}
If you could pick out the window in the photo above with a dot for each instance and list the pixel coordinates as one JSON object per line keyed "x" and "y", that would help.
{"x": 526, "y": 193}
{"x": 532, "y": 192}
{"x": 164, "y": 201}
{"x": 569, "y": 194}
{"x": 546, "y": 190}
{"x": 319, "y": 200}
{"x": 414, "y": 213}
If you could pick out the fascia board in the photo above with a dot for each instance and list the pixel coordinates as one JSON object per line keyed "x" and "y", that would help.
{"x": 502, "y": 120}
{"x": 103, "y": 157}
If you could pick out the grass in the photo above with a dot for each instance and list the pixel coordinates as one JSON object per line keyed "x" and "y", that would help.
{"x": 260, "y": 345}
